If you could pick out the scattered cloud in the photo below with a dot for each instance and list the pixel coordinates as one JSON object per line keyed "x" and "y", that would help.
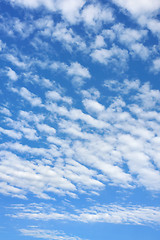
{"x": 138, "y": 8}
{"x": 156, "y": 65}
{"x": 80, "y": 119}
{"x": 95, "y": 14}
{"x": 114, "y": 55}
{"x": 47, "y": 234}
{"x": 12, "y": 74}
{"x": 117, "y": 214}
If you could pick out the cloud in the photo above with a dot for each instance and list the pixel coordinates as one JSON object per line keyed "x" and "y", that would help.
{"x": 7, "y": 189}
{"x": 69, "y": 39}
{"x": 45, "y": 128}
{"x": 114, "y": 56}
{"x": 138, "y": 8}
{"x": 2, "y": 45}
{"x": 101, "y": 138}
{"x": 49, "y": 4}
{"x": 156, "y": 66}
{"x": 11, "y": 133}
{"x": 93, "y": 106}
{"x": 55, "y": 96}
{"x": 95, "y": 14}
{"x": 99, "y": 42}
{"x": 28, "y": 176}
{"x": 131, "y": 38}
{"x": 75, "y": 70}
{"x": 15, "y": 61}
{"x": 71, "y": 9}
{"x": 30, "y": 97}
{"x": 122, "y": 87}
{"x": 30, "y": 116}
{"x": 47, "y": 234}
{"x": 116, "y": 214}
{"x": 45, "y": 179}
{"x": 144, "y": 12}
{"x": 12, "y": 74}
{"x": 140, "y": 50}
{"x": 128, "y": 35}
{"x": 5, "y": 111}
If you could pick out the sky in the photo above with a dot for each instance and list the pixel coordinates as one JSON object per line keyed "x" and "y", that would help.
{"x": 79, "y": 119}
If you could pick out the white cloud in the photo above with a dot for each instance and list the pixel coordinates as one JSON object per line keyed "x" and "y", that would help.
{"x": 30, "y": 116}
{"x": 50, "y": 4}
{"x": 45, "y": 128}
{"x": 71, "y": 9}
{"x": 68, "y": 37}
{"x": 11, "y": 133}
{"x": 29, "y": 176}
{"x": 35, "y": 79}
{"x": 2, "y": 45}
{"x": 129, "y": 35}
{"x": 145, "y": 12}
{"x": 6, "y": 189}
{"x": 91, "y": 93}
{"x": 140, "y": 50}
{"x": 15, "y": 61}
{"x": 132, "y": 38}
{"x": 99, "y": 42}
{"x": 122, "y": 87}
{"x": 115, "y": 56}
{"x": 94, "y": 14}
{"x": 29, "y": 133}
{"x": 93, "y": 106}
{"x": 30, "y": 97}
{"x": 117, "y": 214}
{"x": 55, "y": 96}
{"x": 12, "y": 74}
{"x": 5, "y": 111}
{"x": 76, "y": 69}
{"x": 47, "y": 234}
{"x": 152, "y": 24}
{"x": 149, "y": 97}
{"x": 156, "y": 65}
{"x": 139, "y": 7}
{"x": 100, "y": 140}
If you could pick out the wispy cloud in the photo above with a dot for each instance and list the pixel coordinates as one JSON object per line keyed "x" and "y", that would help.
{"x": 117, "y": 214}
{"x": 47, "y": 234}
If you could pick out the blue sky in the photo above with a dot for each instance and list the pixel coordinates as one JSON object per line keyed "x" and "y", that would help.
{"x": 80, "y": 119}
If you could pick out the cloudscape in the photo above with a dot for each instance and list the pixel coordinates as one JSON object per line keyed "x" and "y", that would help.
{"x": 80, "y": 119}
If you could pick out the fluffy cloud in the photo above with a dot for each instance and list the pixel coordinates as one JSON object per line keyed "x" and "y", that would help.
{"x": 12, "y": 74}
{"x": 114, "y": 55}
{"x": 30, "y": 97}
{"x": 72, "y": 130}
{"x": 156, "y": 65}
{"x": 75, "y": 70}
{"x": 122, "y": 132}
{"x": 144, "y": 12}
{"x": 5, "y": 111}
{"x": 96, "y": 14}
{"x": 138, "y": 8}
{"x": 11, "y": 133}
